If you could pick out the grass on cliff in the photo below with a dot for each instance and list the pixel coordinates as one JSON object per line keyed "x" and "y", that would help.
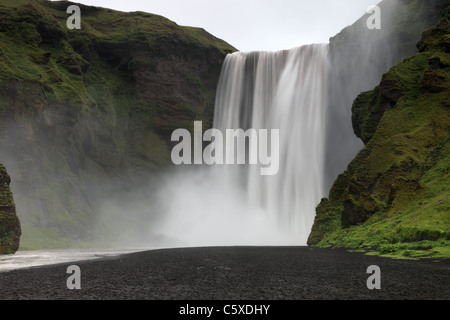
{"x": 53, "y": 78}
{"x": 418, "y": 224}
{"x": 405, "y": 166}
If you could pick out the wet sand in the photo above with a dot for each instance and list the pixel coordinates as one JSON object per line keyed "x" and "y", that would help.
{"x": 233, "y": 273}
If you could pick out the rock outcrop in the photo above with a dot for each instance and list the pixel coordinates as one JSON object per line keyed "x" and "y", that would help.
{"x": 10, "y": 230}
{"x": 359, "y": 56}
{"x": 397, "y": 189}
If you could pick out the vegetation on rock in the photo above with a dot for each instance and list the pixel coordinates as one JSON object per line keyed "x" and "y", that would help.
{"x": 86, "y": 114}
{"x": 394, "y": 197}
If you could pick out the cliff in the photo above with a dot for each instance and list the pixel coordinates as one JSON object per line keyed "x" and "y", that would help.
{"x": 394, "y": 197}
{"x": 10, "y": 230}
{"x": 87, "y": 114}
{"x": 359, "y": 57}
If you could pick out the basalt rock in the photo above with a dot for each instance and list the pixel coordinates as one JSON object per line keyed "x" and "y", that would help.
{"x": 10, "y": 230}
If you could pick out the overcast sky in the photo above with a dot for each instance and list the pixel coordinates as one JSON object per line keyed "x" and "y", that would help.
{"x": 254, "y": 24}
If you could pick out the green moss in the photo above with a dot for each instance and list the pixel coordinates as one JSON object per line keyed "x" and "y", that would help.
{"x": 85, "y": 108}
{"x": 394, "y": 198}
{"x": 207, "y": 39}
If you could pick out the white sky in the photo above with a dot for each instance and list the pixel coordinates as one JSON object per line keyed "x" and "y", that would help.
{"x": 254, "y": 24}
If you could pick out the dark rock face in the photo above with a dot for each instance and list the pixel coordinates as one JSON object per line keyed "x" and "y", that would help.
{"x": 10, "y": 230}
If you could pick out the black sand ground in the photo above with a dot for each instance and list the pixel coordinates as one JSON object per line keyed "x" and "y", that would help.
{"x": 234, "y": 273}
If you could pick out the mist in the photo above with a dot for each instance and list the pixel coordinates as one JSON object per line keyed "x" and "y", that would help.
{"x": 195, "y": 207}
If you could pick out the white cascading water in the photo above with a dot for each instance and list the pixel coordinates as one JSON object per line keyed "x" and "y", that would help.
{"x": 283, "y": 90}
{"x": 235, "y": 204}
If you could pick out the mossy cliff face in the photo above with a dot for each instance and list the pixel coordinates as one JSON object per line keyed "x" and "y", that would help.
{"x": 394, "y": 196}
{"x": 10, "y": 230}
{"x": 359, "y": 56}
{"x": 88, "y": 114}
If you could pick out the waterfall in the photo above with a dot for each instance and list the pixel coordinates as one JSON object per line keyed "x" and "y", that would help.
{"x": 283, "y": 90}
{"x": 228, "y": 204}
